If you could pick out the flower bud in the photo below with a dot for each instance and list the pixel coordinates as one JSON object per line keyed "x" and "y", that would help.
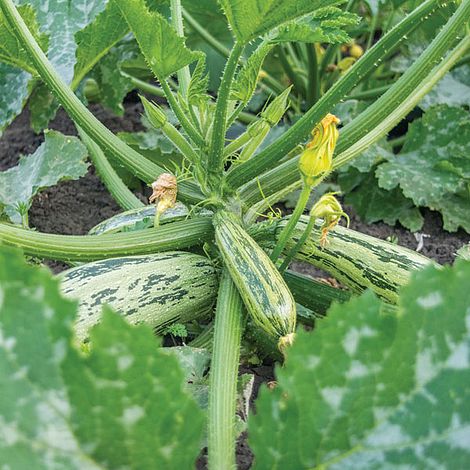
{"x": 277, "y": 108}
{"x": 356, "y": 51}
{"x": 164, "y": 190}
{"x": 329, "y": 209}
{"x": 154, "y": 113}
{"x": 317, "y": 158}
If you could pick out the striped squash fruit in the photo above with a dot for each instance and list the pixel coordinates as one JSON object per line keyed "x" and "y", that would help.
{"x": 158, "y": 289}
{"x": 139, "y": 218}
{"x": 261, "y": 286}
{"x": 357, "y": 260}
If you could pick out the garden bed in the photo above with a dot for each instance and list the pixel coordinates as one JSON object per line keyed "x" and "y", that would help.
{"x": 73, "y": 207}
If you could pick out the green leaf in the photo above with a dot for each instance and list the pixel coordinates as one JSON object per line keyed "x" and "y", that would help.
{"x": 370, "y": 389}
{"x": 434, "y": 164}
{"x": 61, "y": 20}
{"x": 42, "y": 107}
{"x": 58, "y": 158}
{"x": 122, "y": 406}
{"x": 199, "y": 83}
{"x": 373, "y": 203}
{"x": 250, "y": 19}
{"x": 11, "y": 51}
{"x": 97, "y": 38}
{"x": 244, "y": 85}
{"x": 13, "y": 93}
{"x": 325, "y": 25}
{"x": 163, "y": 49}
{"x": 113, "y": 85}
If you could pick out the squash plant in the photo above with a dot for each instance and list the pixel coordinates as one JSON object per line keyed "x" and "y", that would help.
{"x": 222, "y": 189}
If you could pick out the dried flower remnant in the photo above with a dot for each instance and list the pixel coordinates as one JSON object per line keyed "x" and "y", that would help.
{"x": 165, "y": 190}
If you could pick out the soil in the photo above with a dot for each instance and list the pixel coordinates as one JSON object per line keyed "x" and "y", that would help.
{"x": 74, "y": 207}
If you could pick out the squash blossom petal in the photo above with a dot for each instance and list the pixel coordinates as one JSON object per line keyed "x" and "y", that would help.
{"x": 317, "y": 158}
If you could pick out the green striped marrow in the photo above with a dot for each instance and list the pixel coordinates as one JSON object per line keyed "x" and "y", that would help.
{"x": 157, "y": 289}
{"x": 358, "y": 261}
{"x": 139, "y": 219}
{"x": 260, "y": 284}
{"x": 316, "y": 297}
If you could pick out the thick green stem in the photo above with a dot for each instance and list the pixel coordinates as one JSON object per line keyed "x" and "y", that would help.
{"x": 412, "y": 79}
{"x": 369, "y": 94}
{"x": 271, "y": 155}
{"x": 120, "y": 192}
{"x": 286, "y": 174}
{"x": 215, "y": 157}
{"x": 184, "y": 76}
{"x": 293, "y": 76}
{"x": 313, "y": 84}
{"x": 141, "y": 166}
{"x": 390, "y": 109}
{"x": 290, "y": 226}
{"x": 224, "y": 375}
{"x": 173, "y": 236}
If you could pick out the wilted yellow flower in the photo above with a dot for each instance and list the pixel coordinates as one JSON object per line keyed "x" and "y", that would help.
{"x": 317, "y": 157}
{"x": 165, "y": 191}
{"x": 329, "y": 209}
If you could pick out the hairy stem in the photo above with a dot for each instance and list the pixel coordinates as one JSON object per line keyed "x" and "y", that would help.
{"x": 224, "y": 375}
{"x": 286, "y": 174}
{"x": 171, "y": 236}
{"x": 177, "y": 20}
{"x": 139, "y": 165}
{"x": 271, "y": 155}
{"x": 215, "y": 157}
{"x": 114, "y": 184}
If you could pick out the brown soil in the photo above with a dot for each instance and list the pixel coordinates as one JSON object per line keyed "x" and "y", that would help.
{"x": 74, "y": 207}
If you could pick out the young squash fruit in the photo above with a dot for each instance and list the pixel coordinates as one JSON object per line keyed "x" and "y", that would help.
{"x": 158, "y": 289}
{"x": 261, "y": 286}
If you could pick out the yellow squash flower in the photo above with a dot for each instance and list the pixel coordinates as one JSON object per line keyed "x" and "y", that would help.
{"x": 317, "y": 158}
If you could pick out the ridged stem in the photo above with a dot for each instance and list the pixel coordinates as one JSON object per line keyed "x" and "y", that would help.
{"x": 313, "y": 83}
{"x": 142, "y": 167}
{"x": 173, "y": 236}
{"x": 359, "y": 141}
{"x": 114, "y": 184}
{"x": 184, "y": 76}
{"x": 271, "y": 155}
{"x": 286, "y": 174}
{"x": 224, "y": 376}
{"x": 409, "y": 81}
{"x": 215, "y": 157}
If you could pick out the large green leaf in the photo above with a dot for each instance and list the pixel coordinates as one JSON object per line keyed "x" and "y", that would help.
{"x": 60, "y": 157}
{"x": 60, "y": 20}
{"x": 373, "y": 203}
{"x": 123, "y": 406}
{"x": 434, "y": 163}
{"x": 97, "y": 38}
{"x": 163, "y": 49}
{"x": 252, "y": 18}
{"x": 13, "y": 93}
{"x": 369, "y": 389}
